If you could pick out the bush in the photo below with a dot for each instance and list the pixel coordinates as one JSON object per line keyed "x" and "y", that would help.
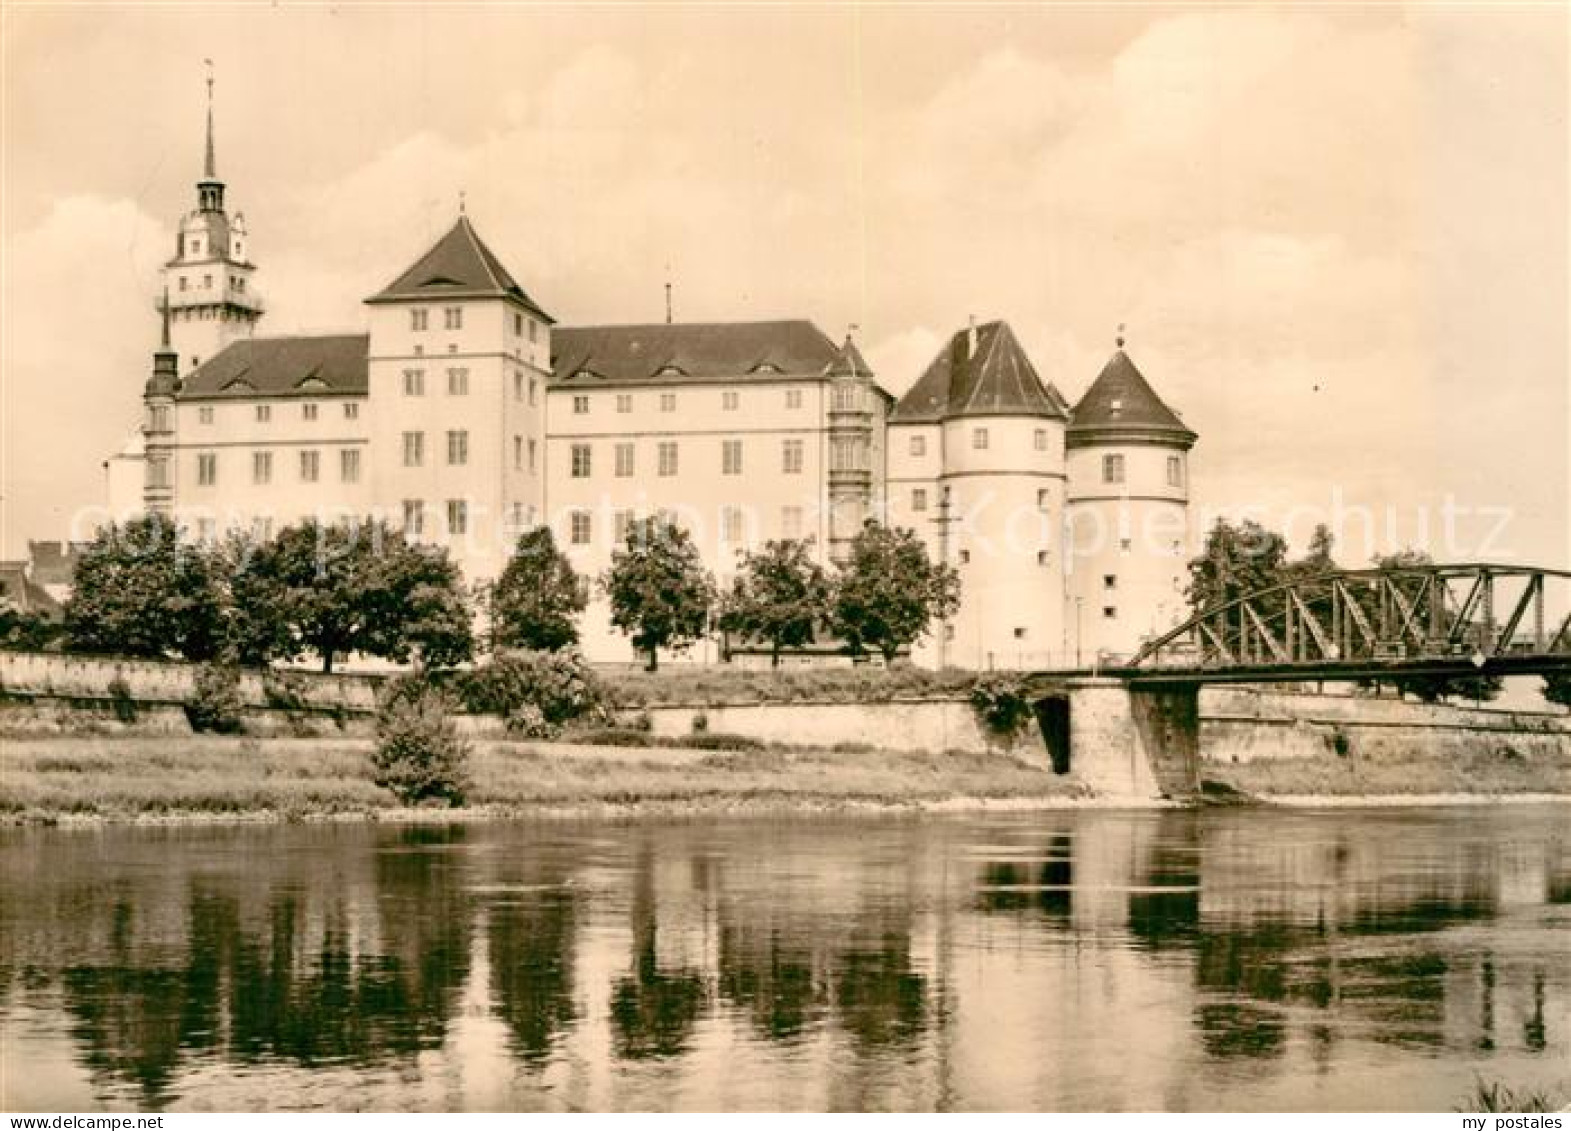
{"x": 120, "y": 700}
{"x": 420, "y": 756}
{"x": 1001, "y": 706}
{"x": 215, "y": 704}
{"x": 700, "y": 722}
{"x": 614, "y": 736}
{"x": 715, "y": 740}
{"x": 560, "y": 684}
{"x": 284, "y": 691}
{"x": 529, "y": 721}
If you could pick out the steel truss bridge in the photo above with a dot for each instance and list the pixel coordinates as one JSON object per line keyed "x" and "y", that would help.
{"x": 1419, "y": 620}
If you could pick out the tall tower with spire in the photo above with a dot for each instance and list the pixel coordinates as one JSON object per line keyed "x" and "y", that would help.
{"x": 212, "y": 298}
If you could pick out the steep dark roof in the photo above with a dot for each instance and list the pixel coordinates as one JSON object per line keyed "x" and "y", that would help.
{"x": 459, "y": 265}
{"x": 849, "y": 362}
{"x": 1120, "y": 402}
{"x": 283, "y": 367}
{"x": 998, "y": 380}
{"x": 698, "y": 351}
{"x": 24, "y": 593}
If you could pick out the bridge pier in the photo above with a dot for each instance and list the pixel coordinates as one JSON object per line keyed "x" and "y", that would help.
{"x": 1134, "y": 743}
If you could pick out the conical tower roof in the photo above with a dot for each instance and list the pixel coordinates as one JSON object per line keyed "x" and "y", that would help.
{"x": 849, "y": 362}
{"x": 1120, "y": 404}
{"x": 459, "y": 265}
{"x": 990, "y": 377}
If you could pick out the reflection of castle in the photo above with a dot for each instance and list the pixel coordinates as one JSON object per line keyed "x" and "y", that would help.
{"x": 465, "y": 414}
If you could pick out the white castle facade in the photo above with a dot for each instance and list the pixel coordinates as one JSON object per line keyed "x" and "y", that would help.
{"x": 464, "y": 414}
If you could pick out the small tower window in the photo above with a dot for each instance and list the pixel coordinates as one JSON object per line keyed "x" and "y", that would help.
{"x": 1020, "y": 633}
{"x": 1109, "y": 581}
{"x": 1175, "y": 471}
{"x": 919, "y": 499}
{"x": 196, "y": 246}
{"x": 1109, "y": 612}
{"x": 182, "y": 282}
{"x": 965, "y": 557}
{"x": 1042, "y": 558}
{"x": 1112, "y": 469}
{"x": 919, "y": 445}
{"x": 1043, "y": 499}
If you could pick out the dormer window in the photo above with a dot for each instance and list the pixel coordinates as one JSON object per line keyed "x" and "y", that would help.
{"x": 196, "y": 246}
{"x": 670, "y": 371}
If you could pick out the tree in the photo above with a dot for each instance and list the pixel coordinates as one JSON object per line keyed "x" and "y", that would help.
{"x": 660, "y": 593}
{"x": 537, "y": 600}
{"x": 140, "y": 589}
{"x": 1237, "y": 560}
{"x": 888, "y": 592}
{"x": 1557, "y": 688}
{"x": 32, "y": 631}
{"x": 779, "y": 595}
{"x": 352, "y": 587}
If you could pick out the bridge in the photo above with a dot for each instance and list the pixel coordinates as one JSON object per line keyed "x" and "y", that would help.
{"x": 1134, "y": 725}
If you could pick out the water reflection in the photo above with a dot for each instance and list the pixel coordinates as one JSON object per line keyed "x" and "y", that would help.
{"x": 1047, "y": 961}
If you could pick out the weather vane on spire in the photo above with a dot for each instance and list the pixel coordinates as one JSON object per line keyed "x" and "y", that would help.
{"x": 462, "y": 205}
{"x": 1120, "y": 338}
{"x": 210, "y": 168}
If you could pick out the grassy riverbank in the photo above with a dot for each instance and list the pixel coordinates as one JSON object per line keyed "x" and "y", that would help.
{"x": 127, "y": 779}
{"x": 1495, "y": 769}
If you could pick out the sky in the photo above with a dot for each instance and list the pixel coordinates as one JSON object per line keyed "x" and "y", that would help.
{"x": 1337, "y": 236}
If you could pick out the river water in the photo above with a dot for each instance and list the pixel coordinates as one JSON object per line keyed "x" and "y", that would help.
{"x": 1355, "y": 959}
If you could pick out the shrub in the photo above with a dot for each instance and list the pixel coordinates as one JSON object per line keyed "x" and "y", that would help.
{"x": 560, "y": 684}
{"x": 420, "y": 756}
{"x": 1001, "y": 706}
{"x": 120, "y": 700}
{"x": 215, "y": 703}
{"x": 614, "y": 736}
{"x": 528, "y": 721}
{"x": 284, "y": 691}
{"x": 715, "y": 740}
{"x": 700, "y": 722}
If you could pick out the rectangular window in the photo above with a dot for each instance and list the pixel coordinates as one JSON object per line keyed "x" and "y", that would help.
{"x": 791, "y": 522}
{"x": 624, "y": 402}
{"x": 624, "y": 460}
{"x": 310, "y": 466}
{"x": 581, "y": 463}
{"x": 793, "y": 398}
{"x": 308, "y": 411}
{"x": 1113, "y": 469}
{"x": 581, "y": 528}
{"x": 791, "y": 457}
{"x": 205, "y": 414}
{"x": 667, "y": 402}
{"x": 414, "y": 518}
{"x": 414, "y": 382}
{"x": 848, "y": 398}
{"x": 1039, "y": 438}
{"x": 1109, "y": 612}
{"x": 417, "y": 320}
{"x": 518, "y": 453}
{"x": 264, "y": 413}
{"x": 667, "y": 457}
{"x": 518, "y": 324}
{"x": 532, "y": 384}
{"x": 979, "y": 439}
{"x": 206, "y": 530}
{"x": 531, "y": 455}
{"x": 581, "y": 405}
{"x": 1109, "y": 581}
{"x": 351, "y": 410}
{"x": 458, "y": 447}
{"x": 457, "y": 516}
{"x": 458, "y": 382}
{"x": 1175, "y": 471}
{"x": 518, "y": 385}
{"x": 1044, "y": 498}
{"x": 919, "y": 445}
{"x": 158, "y": 471}
{"x": 453, "y": 317}
{"x": 1042, "y": 558}
{"x": 261, "y": 467}
{"x": 207, "y": 469}
{"x": 731, "y": 457}
{"x": 533, "y": 327}
{"x": 349, "y": 465}
{"x": 730, "y": 400}
{"x": 731, "y": 524}
{"x": 414, "y": 449}
{"x": 918, "y": 499}
{"x": 622, "y": 522}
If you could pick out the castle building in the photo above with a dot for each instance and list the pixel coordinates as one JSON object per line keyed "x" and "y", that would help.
{"x": 465, "y": 415}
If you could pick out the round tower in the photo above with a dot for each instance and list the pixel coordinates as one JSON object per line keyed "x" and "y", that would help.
{"x": 1000, "y": 497}
{"x": 1128, "y": 514}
